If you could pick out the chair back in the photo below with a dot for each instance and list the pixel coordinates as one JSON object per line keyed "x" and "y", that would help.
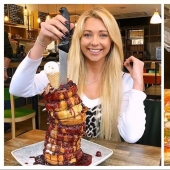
{"x": 14, "y": 115}
{"x": 152, "y": 133}
{"x": 7, "y": 94}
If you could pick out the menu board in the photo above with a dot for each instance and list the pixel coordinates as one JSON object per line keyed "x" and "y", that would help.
{"x": 5, "y": 10}
{"x": 16, "y": 14}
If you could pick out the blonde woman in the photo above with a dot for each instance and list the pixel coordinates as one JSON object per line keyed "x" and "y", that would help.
{"x": 114, "y": 98}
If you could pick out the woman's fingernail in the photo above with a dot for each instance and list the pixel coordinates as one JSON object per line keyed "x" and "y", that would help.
{"x": 66, "y": 22}
{"x": 63, "y": 37}
{"x": 67, "y": 33}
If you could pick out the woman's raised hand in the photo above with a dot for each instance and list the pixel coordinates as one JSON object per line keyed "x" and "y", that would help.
{"x": 54, "y": 29}
{"x": 136, "y": 71}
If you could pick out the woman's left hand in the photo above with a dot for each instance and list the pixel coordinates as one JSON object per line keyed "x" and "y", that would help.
{"x": 136, "y": 71}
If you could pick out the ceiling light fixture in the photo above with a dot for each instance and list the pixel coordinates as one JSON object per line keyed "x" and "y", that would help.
{"x": 156, "y": 19}
{"x": 6, "y": 18}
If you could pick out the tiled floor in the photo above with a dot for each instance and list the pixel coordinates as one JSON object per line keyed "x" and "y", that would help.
{"x": 22, "y": 127}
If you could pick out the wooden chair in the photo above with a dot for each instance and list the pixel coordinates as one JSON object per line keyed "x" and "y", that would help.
{"x": 14, "y": 115}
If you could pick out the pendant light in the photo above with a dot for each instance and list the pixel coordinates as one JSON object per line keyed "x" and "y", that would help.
{"x": 156, "y": 19}
{"x": 6, "y": 18}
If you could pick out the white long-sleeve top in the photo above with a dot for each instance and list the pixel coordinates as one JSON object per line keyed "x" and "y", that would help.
{"x": 131, "y": 122}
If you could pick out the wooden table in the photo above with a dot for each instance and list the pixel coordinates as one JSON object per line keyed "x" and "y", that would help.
{"x": 124, "y": 154}
{"x": 153, "y": 92}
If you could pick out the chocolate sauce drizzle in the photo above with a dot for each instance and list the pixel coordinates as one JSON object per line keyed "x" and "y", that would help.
{"x": 85, "y": 160}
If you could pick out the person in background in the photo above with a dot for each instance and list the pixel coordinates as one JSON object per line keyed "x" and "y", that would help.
{"x": 8, "y": 53}
{"x": 95, "y": 63}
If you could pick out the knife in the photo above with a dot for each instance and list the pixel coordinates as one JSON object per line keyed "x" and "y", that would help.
{"x": 64, "y": 48}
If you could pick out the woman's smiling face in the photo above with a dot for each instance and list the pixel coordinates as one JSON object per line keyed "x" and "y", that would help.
{"x": 95, "y": 42}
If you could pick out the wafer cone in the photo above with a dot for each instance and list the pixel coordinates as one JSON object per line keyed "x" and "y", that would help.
{"x": 54, "y": 79}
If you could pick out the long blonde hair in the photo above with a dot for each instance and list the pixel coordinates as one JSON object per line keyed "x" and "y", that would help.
{"x": 111, "y": 87}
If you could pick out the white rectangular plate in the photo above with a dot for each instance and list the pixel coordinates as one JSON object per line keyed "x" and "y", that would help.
{"x": 22, "y": 155}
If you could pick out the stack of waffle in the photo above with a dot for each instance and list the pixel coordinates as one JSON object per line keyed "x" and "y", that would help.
{"x": 66, "y": 119}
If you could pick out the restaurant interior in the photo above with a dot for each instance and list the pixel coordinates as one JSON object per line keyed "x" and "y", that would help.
{"x": 141, "y": 37}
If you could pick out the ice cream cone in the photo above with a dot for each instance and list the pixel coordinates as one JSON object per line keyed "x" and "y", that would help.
{"x": 51, "y": 69}
{"x": 54, "y": 79}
